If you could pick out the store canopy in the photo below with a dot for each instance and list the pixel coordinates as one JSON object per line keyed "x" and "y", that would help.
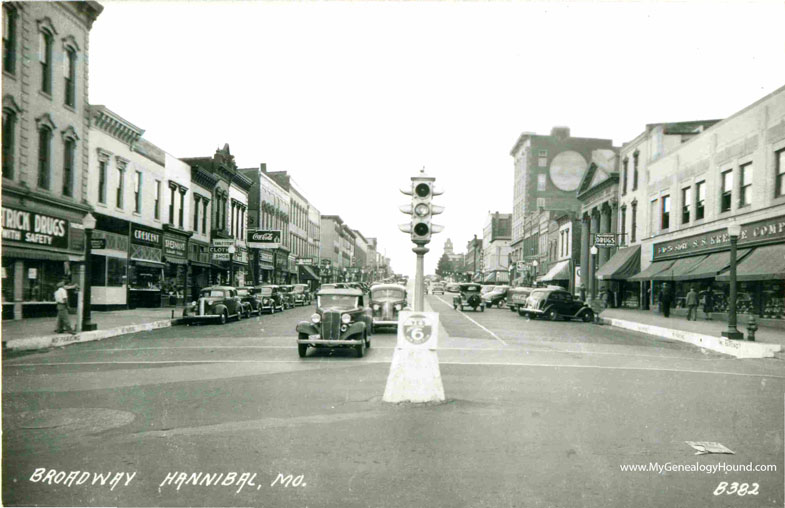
{"x": 559, "y": 271}
{"x": 623, "y": 265}
{"x": 44, "y": 255}
{"x": 497, "y": 277}
{"x": 176, "y": 260}
{"x": 764, "y": 263}
{"x": 714, "y": 264}
{"x": 652, "y": 270}
{"x": 148, "y": 264}
{"x": 307, "y": 273}
{"x": 680, "y": 269}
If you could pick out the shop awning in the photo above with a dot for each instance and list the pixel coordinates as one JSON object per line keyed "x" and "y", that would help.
{"x": 176, "y": 261}
{"x": 45, "y": 255}
{"x": 307, "y": 273}
{"x": 623, "y": 265}
{"x": 764, "y": 263}
{"x": 714, "y": 264}
{"x": 149, "y": 264}
{"x": 266, "y": 266}
{"x": 559, "y": 271}
{"x": 679, "y": 269}
{"x": 652, "y": 270}
{"x": 497, "y": 277}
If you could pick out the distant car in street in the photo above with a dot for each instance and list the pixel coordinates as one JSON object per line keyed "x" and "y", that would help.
{"x": 496, "y": 296}
{"x": 287, "y": 295}
{"x": 555, "y": 304}
{"x": 301, "y": 294}
{"x": 251, "y": 303}
{"x": 437, "y": 287}
{"x": 386, "y": 301}
{"x": 341, "y": 321}
{"x": 215, "y": 303}
{"x": 453, "y": 287}
{"x": 272, "y": 300}
{"x": 469, "y": 297}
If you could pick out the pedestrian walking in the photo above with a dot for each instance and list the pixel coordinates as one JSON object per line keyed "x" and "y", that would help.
{"x": 61, "y": 299}
{"x": 692, "y": 305}
{"x": 708, "y": 303}
{"x": 665, "y": 300}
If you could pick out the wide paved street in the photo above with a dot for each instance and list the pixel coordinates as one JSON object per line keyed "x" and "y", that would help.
{"x": 539, "y": 414}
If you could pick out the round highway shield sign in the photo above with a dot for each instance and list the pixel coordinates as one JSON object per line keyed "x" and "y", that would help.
{"x": 417, "y": 329}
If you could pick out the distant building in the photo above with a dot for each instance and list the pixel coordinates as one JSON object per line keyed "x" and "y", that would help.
{"x": 497, "y": 234}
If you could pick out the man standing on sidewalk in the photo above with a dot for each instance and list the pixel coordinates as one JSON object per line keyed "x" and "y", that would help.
{"x": 692, "y": 305}
{"x": 665, "y": 300}
{"x": 61, "y": 299}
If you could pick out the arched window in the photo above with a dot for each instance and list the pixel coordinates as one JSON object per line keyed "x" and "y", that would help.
{"x": 9, "y": 142}
{"x": 44, "y": 156}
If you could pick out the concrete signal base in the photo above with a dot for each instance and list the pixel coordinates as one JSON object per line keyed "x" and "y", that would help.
{"x": 414, "y": 377}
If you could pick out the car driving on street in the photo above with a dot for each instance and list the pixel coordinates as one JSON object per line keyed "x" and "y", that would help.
{"x": 496, "y": 296}
{"x": 437, "y": 288}
{"x": 386, "y": 301}
{"x": 469, "y": 296}
{"x": 341, "y": 320}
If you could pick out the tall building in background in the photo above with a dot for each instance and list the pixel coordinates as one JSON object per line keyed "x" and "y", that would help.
{"x": 496, "y": 248}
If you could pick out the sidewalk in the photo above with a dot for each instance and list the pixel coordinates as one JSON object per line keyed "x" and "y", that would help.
{"x": 38, "y": 333}
{"x": 702, "y": 333}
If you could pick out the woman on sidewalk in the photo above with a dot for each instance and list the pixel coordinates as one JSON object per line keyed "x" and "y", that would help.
{"x": 708, "y": 303}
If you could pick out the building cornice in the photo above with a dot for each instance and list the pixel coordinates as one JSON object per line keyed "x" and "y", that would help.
{"x": 113, "y": 124}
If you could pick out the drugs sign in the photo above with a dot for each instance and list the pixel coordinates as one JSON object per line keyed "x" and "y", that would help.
{"x": 418, "y": 330}
{"x": 605, "y": 240}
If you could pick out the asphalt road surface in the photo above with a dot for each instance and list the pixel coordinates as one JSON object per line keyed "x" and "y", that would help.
{"x": 539, "y": 414}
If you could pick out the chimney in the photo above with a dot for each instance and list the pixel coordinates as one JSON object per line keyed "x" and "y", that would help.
{"x": 263, "y": 167}
{"x": 561, "y": 133}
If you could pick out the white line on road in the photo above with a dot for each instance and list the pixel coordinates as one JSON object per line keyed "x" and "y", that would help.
{"x": 473, "y": 321}
{"x": 355, "y": 361}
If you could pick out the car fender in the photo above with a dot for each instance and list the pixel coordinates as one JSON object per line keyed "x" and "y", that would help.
{"x": 582, "y": 310}
{"x": 355, "y": 328}
{"x": 307, "y": 327}
{"x": 220, "y": 308}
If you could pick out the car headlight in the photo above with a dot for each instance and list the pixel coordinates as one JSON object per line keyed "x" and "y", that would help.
{"x": 346, "y": 319}
{"x": 376, "y": 306}
{"x": 266, "y": 301}
{"x": 316, "y": 318}
{"x": 193, "y": 304}
{"x": 398, "y": 307}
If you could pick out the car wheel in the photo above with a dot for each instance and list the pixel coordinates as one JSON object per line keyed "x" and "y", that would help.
{"x": 302, "y": 348}
{"x": 360, "y": 349}
{"x": 501, "y": 303}
{"x": 224, "y": 317}
{"x": 521, "y": 313}
{"x": 588, "y": 316}
{"x": 482, "y": 308}
{"x": 553, "y": 315}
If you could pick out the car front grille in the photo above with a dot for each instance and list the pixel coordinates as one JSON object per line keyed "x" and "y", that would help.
{"x": 331, "y": 325}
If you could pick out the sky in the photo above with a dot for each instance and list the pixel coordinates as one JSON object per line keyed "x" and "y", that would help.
{"x": 354, "y": 98}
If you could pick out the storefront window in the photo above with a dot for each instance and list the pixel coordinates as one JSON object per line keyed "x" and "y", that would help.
{"x": 8, "y": 280}
{"x": 97, "y": 270}
{"x": 115, "y": 272}
{"x": 146, "y": 277}
{"x": 773, "y": 300}
{"x": 40, "y": 280}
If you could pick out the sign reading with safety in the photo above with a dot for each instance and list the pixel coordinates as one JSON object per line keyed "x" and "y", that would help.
{"x": 418, "y": 330}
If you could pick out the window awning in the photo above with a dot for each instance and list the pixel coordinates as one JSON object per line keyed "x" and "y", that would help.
{"x": 559, "y": 271}
{"x": 679, "y": 269}
{"x": 44, "y": 255}
{"x": 176, "y": 260}
{"x": 652, "y": 270}
{"x": 307, "y": 273}
{"x": 149, "y": 264}
{"x": 623, "y": 265}
{"x": 497, "y": 277}
{"x": 714, "y": 264}
{"x": 764, "y": 263}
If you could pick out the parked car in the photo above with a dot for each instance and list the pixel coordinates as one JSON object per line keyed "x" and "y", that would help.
{"x": 497, "y": 296}
{"x": 287, "y": 295}
{"x": 516, "y": 297}
{"x": 386, "y": 301}
{"x": 215, "y": 303}
{"x": 554, "y": 304}
{"x": 301, "y": 294}
{"x": 437, "y": 287}
{"x": 469, "y": 297}
{"x": 272, "y": 300}
{"x": 453, "y": 287}
{"x": 250, "y": 301}
{"x": 341, "y": 320}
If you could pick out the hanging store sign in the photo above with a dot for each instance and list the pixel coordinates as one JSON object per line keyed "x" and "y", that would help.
{"x": 141, "y": 235}
{"x": 305, "y": 261}
{"x": 263, "y": 239}
{"x": 34, "y": 228}
{"x": 756, "y": 232}
{"x": 605, "y": 240}
{"x": 174, "y": 247}
{"x": 97, "y": 243}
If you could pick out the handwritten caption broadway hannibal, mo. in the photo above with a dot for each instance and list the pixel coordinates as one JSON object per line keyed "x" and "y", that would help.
{"x": 179, "y": 479}
{"x": 71, "y": 478}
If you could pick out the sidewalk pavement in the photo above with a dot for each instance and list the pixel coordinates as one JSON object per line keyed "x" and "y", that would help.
{"x": 38, "y": 333}
{"x": 702, "y": 333}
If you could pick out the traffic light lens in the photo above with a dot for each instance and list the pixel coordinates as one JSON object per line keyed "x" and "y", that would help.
{"x": 422, "y": 189}
{"x": 421, "y": 210}
{"x": 421, "y": 229}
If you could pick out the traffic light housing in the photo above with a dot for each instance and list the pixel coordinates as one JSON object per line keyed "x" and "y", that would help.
{"x": 421, "y": 209}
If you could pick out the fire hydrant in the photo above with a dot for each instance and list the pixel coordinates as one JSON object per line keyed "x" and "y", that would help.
{"x": 752, "y": 325}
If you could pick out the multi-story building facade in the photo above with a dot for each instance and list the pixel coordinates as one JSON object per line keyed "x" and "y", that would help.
{"x": 732, "y": 172}
{"x": 548, "y": 171}
{"x": 360, "y": 264}
{"x": 496, "y": 248}
{"x": 336, "y": 247}
{"x": 475, "y": 258}
{"x": 45, "y": 150}
{"x": 203, "y": 184}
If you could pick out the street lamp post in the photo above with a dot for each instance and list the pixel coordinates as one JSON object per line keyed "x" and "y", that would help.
{"x": 592, "y": 268}
{"x": 231, "y": 264}
{"x": 535, "y": 264}
{"x": 734, "y": 230}
{"x": 89, "y": 224}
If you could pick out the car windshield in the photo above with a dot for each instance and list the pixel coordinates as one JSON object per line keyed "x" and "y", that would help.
{"x": 538, "y": 295}
{"x": 298, "y": 289}
{"x": 337, "y": 302}
{"x": 266, "y": 291}
{"x": 242, "y": 292}
{"x": 387, "y": 294}
{"x": 212, "y": 293}
{"x": 470, "y": 289}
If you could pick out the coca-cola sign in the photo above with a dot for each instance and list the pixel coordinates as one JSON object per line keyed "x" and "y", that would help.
{"x": 264, "y": 239}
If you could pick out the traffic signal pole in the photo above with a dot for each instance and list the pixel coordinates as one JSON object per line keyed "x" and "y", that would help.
{"x": 419, "y": 279}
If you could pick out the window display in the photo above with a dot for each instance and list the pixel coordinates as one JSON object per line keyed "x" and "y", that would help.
{"x": 9, "y": 280}
{"x": 146, "y": 278}
{"x": 40, "y": 280}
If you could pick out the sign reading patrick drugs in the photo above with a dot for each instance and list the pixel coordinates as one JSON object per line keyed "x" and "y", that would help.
{"x": 753, "y": 233}
{"x": 36, "y": 228}
{"x": 264, "y": 239}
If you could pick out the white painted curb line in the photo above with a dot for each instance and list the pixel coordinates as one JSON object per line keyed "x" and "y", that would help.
{"x": 56, "y": 340}
{"x": 737, "y": 348}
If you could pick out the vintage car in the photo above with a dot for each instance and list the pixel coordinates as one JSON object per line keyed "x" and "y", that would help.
{"x": 216, "y": 303}
{"x": 271, "y": 298}
{"x": 453, "y": 287}
{"x": 437, "y": 287}
{"x": 469, "y": 297}
{"x": 252, "y": 304}
{"x": 341, "y": 320}
{"x": 516, "y": 297}
{"x": 554, "y": 304}
{"x": 497, "y": 296}
{"x": 301, "y": 294}
{"x": 386, "y": 301}
{"x": 287, "y": 295}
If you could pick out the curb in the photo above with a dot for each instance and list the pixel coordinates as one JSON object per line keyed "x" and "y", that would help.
{"x": 59, "y": 340}
{"x": 735, "y": 348}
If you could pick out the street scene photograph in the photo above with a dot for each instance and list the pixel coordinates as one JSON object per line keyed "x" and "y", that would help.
{"x": 387, "y": 253}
